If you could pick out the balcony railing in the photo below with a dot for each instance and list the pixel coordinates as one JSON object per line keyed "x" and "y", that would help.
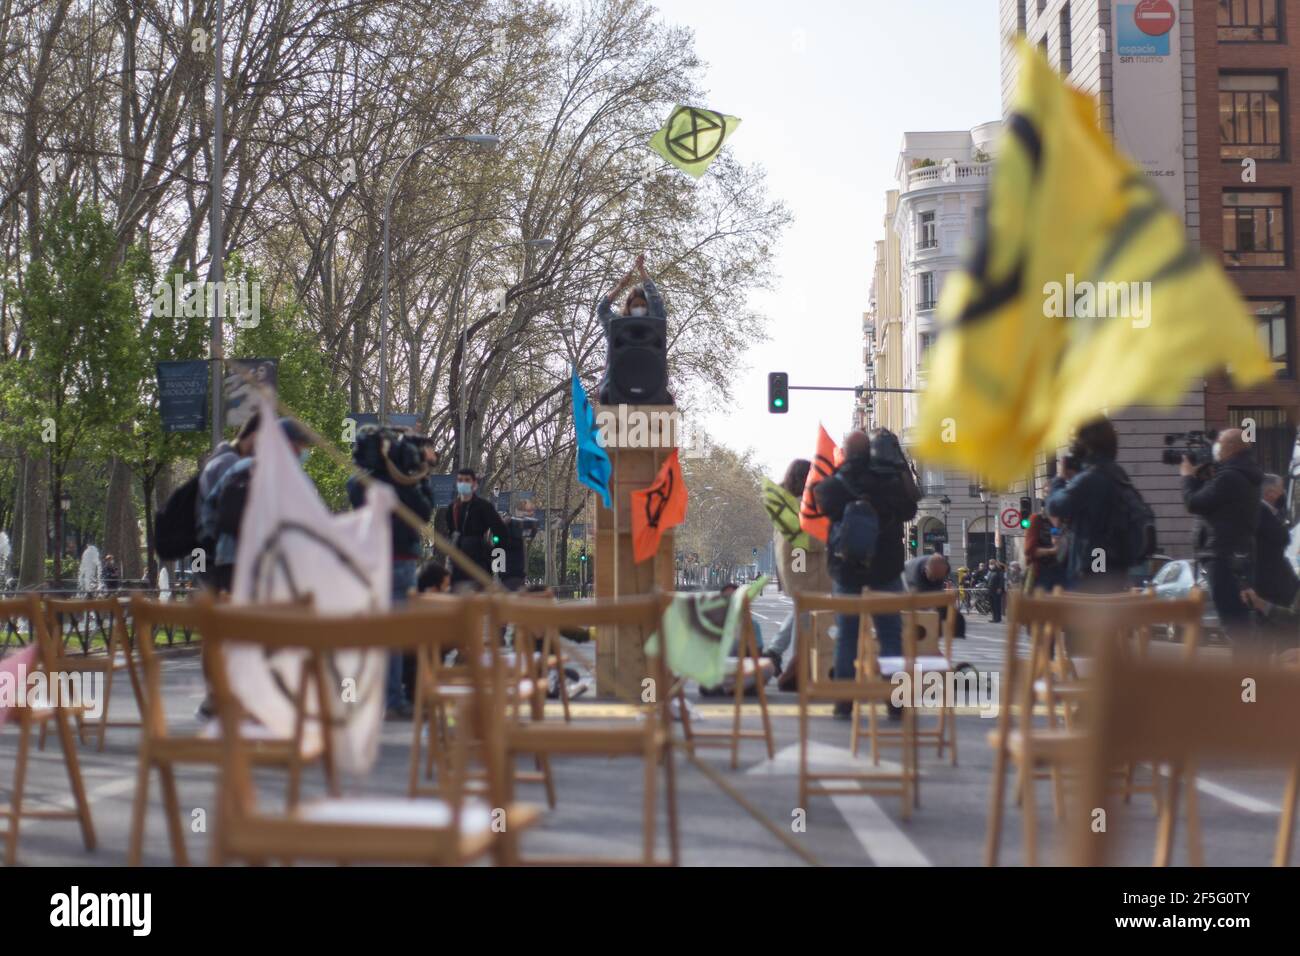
{"x": 953, "y": 174}
{"x": 927, "y": 244}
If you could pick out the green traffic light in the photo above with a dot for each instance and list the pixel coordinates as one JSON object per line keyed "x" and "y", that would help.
{"x": 1024, "y": 523}
{"x": 779, "y": 402}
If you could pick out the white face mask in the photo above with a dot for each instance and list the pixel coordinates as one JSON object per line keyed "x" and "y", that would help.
{"x": 464, "y": 488}
{"x": 639, "y": 311}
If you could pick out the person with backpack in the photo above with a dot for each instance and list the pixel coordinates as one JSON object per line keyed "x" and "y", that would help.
{"x": 1112, "y": 529}
{"x": 1226, "y": 500}
{"x": 868, "y": 502}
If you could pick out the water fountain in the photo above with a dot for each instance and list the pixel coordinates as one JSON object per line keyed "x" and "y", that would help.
{"x": 90, "y": 578}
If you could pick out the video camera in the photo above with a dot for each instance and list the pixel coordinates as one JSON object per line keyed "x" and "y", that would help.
{"x": 1197, "y": 446}
{"x": 406, "y": 452}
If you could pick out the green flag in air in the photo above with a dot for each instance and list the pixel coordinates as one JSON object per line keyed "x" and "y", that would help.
{"x": 692, "y": 138}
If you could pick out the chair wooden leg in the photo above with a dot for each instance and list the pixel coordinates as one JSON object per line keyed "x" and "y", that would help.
{"x": 873, "y": 727}
{"x": 139, "y": 808}
{"x": 1028, "y": 810}
{"x": 767, "y": 719}
{"x": 20, "y": 782}
{"x": 74, "y": 776}
{"x": 855, "y": 727}
{"x": 997, "y": 797}
{"x": 916, "y": 758}
{"x": 1286, "y": 826}
{"x": 1168, "y": 816}
{"x": 670, "y": 802}
{"x": 952, "y": 736}
{"x": 108, "y": 697}
{"x": 172, "y": 807}
{"x": 648, "y": 823}
{"x": 738, "y": 703}
{"x": 1195, "y": 855}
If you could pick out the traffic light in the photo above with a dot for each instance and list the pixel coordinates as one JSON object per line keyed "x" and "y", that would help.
{"x": 778, "y": 393}
{"x": 582, "y": 555}
{"x": 912, "y": 538}
{"x": 1026, "y": 506}
{"x": 496, "y": 539}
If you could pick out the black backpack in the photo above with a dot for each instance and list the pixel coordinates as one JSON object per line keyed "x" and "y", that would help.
{"x": 175, "y": 529}
{"x": 1132, "y": 537}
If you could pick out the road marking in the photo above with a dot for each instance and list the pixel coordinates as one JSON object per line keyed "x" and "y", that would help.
{"x": 1242, "y": 801}
{"x": 110, "y": 789}
{"x": 881, "y": 839}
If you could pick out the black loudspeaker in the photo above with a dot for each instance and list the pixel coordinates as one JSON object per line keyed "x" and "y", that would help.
{"x": 636, "y": 362}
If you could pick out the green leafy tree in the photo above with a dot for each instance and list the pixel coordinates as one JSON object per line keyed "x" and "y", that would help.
{"x": 72, "y": 391}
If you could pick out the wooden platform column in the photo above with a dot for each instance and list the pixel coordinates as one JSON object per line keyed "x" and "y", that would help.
{"x": 639, "y": 439}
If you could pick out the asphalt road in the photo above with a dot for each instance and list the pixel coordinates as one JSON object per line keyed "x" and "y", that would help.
{"x": 599, "y": 809}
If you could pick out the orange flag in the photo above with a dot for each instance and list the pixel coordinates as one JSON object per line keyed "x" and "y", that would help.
{"x": 661, "y": 505}
{"x": 826, "y": 460}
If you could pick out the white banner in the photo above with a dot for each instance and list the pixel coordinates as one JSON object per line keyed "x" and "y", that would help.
{"x": 1148, "y": 92}
{"x": 292, "y": 548}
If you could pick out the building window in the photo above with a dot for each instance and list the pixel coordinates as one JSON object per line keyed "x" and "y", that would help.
{"x": 1067, "y": 45}
{"x": 1258, "y": 21}
{"x": 924, "y": 341}
{"x": 1255, "y": 229}
{"x": 1250, "y": 116}
{"x": 1274, "y": 319}
{"x": 1274, "y": 436}
{"x": 1020, "y": 17}
{"x": 925, "y": 291}
{"x": 927, "y": 232}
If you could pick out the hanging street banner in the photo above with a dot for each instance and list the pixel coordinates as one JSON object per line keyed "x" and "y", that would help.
{"x": 183, "y": 395}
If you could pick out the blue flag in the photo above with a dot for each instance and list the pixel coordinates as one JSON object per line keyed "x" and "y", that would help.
{"x": 594, "y": 467}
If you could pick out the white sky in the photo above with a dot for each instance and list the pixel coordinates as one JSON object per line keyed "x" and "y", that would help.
{"x": 826, "y": 122}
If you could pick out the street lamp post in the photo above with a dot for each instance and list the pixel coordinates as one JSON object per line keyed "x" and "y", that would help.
{"x": 65, "y": 504}
{"x": 475, "y": 139}
{"x": 984, "y": 497}
{"x": 217, "y": 269}
{"x": 945, "y": 505}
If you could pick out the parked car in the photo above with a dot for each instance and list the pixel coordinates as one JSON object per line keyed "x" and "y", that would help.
{"x": 1175, "y": 580}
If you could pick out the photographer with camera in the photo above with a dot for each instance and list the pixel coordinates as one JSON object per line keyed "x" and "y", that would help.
{"x": 1224, "y": 495}
{"x": 1111, "y": 528}
{"x": 404, "y": 462}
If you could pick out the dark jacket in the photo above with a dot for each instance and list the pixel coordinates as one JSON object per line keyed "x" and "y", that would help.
{"x": 1275, "y": 579}
{"x": 470, "y": 524}
{"x": 418, "y": 497}
{"x": 1089, "y": 503}
{"x": 516, "y": 539}
{"x": 883, "y": 488}
{"x": 1227, "y": 507}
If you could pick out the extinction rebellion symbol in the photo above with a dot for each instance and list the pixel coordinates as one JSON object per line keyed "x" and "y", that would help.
{"x": 695, "y": 135}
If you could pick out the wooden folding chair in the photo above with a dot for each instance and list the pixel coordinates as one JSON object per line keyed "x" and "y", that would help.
{"x": 104, "y": 617}
{"x": 1180, "y": 712}
{"x": 933, "y": 655}
{"x": 452, "y": 828}
{"x": 1049, "y": 673}
{"x": 440, "y": 683}
{"x": 869, "y": 685}
{"x": 648, "y": 737}
{"x": 37, "y": 716}
{"x": 746, "y": 665}
{"x": 162, "y": 750}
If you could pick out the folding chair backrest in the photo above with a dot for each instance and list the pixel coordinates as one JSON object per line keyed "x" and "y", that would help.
{"x": 147, "y": 618}
{"x": 644, "y": 612}
{"x": 1181, "y": 712}
{"x": 910, "y": 606}
{"x": 105, "y": 611}
{"x": 457, "y": 623}
{"x": 29, "y": 609}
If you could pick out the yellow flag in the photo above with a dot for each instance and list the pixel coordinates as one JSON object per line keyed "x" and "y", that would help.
{"x": 1083, "y": 294}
